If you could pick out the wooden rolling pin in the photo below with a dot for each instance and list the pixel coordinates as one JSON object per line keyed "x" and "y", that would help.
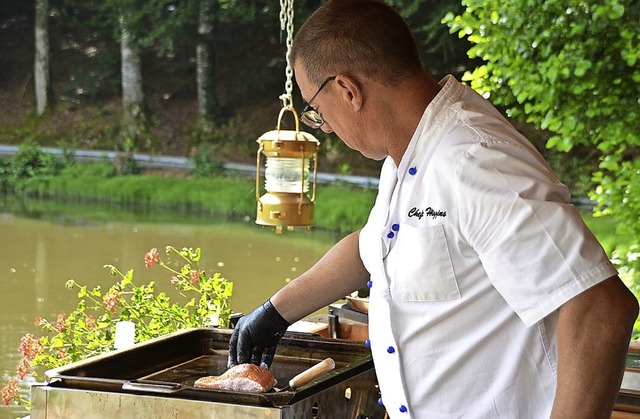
{"x": 307, "y": 375}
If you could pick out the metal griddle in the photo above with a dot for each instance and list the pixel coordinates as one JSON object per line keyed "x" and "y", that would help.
{"x": 162, "y": 372}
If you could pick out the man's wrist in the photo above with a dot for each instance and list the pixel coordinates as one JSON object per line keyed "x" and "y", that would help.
{"x": 274, "y": 314}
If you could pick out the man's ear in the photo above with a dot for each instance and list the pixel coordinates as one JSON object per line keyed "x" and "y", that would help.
{"x": 351, "y": 91}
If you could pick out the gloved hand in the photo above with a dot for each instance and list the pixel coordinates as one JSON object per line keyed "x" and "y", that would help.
{"x": 256, "y": 336}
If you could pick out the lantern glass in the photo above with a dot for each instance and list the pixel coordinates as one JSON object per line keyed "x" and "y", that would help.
{"x": 286, "y": 174}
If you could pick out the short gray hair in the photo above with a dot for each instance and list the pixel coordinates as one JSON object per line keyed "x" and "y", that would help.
{"x": 356, "y": 37}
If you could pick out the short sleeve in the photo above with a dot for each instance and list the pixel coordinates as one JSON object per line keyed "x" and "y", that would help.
{"x": 532, "y": 242}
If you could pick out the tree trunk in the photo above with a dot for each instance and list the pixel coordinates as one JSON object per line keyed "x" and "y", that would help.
{"x": 208, "y": 101}
{"x": 132, "y": 93}
{"x": 41, "y": 64}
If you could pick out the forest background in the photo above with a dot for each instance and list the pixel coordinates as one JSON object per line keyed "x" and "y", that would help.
{"x": 203, "y": 79}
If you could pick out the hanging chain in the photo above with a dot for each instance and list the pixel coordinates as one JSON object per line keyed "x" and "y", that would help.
{"x": 286, "y": 23}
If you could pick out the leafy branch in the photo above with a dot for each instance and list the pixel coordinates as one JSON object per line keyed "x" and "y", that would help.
{"x": 90, "y": 329}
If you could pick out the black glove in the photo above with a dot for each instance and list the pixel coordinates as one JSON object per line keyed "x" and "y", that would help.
{"x": 256, "y": 336}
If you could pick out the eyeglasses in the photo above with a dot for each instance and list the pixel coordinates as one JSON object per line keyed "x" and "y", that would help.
{"x": 309, "y": 116}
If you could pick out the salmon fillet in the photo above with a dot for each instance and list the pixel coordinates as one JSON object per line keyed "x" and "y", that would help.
{"x": 242, "y": 377}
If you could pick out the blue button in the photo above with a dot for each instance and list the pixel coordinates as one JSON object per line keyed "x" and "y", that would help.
{"x": 380, "y": 401}
{"x": 391, "y": 234}
{"x": 403, "y": 408}
{"x": 413, "y": 170}
{"x": 369, "y": 283}
{"x": 391, "y": 349}
{"x": 367, "y": 343}
{"x": 395, "y": 227}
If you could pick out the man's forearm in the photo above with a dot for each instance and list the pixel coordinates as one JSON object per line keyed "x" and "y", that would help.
{"x": 593, "y": 338}
{"x": 338, "y": 273}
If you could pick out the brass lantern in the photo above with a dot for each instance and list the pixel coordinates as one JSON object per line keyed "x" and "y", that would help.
{"x": 289, "y": 198}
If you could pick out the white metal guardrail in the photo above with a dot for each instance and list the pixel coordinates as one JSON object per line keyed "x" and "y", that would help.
{"x": 182, "y": 163}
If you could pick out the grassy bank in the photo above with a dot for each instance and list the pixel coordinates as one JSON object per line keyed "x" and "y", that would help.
{"x": 339, "y": 208}
{"x": 209, "y": 190}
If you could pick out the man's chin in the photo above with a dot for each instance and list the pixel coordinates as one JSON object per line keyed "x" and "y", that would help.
{"x": 365, "y": 154}
{"x": 373, "y": 157}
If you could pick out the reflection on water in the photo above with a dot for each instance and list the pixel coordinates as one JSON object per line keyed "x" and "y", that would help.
{"x": 38, "y": 256}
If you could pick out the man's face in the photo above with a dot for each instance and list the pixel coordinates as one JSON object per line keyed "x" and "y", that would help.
{"x": 312, "y": 95}
{"x": 336, "y": 110}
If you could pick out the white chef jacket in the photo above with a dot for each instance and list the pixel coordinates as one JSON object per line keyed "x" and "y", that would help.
{"x": 471, "y": 246}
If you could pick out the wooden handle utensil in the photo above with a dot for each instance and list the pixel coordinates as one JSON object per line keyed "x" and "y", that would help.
{"x": 307, "y": 375}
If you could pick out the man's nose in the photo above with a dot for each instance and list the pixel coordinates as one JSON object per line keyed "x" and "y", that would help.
{"x": 326, "y": 127}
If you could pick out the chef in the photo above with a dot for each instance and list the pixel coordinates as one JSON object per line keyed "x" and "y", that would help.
{"x": 489, "y": 297}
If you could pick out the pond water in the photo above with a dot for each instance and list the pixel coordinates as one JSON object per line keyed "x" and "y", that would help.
{"x": 38, "y": 255}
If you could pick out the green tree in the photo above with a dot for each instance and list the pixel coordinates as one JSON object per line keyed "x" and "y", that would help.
{"x": 441, "y": 53}
{"x": 139, "y": 27}
{"x": 573, "y": 69}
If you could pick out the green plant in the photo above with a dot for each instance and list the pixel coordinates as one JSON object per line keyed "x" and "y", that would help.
{"x": 99, "y": 169}
{"x": 204, "y": 165}
{"x": 90, "y": 328}
{"x": 30, "y": 165}
{"x": 627, "y": 260}
{"x": 125, "y": 163}
{"x": 5, "y": 169}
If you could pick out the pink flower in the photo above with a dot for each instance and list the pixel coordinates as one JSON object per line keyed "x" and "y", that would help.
{"x": 111, "y": 300}
{"x": 151, "y": 258}
{"x": 29, "y": 346}
{"x": 61, "y": 353}
{"x": 10, "y": 391}
{"x": 90, "y": 322}
{"x": 24, "y": 368}
{"x": 61, "y": 323}
{"x": 174, "y": 280}
{"x": 194, "y": 276}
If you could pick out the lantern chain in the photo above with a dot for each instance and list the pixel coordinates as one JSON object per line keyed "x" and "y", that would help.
{"x": 286, "y": 23}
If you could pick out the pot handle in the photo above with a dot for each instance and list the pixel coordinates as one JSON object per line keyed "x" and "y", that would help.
{"x": 152, "y": 386}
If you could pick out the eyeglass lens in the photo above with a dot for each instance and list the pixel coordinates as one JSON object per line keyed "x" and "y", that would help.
{"x": 312, "y": 119}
